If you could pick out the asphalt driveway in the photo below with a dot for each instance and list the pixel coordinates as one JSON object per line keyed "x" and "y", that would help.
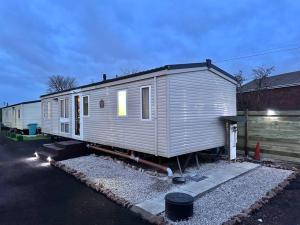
{"x": 32, "y": 193}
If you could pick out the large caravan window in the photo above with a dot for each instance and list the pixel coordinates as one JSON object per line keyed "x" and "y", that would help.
{"x": 85, "y": 105}
{"x": 122, "y": 103}
{"x": 49, "y": 110}
{"x": 64, "y": 108}
{"x": 146, "y": 103}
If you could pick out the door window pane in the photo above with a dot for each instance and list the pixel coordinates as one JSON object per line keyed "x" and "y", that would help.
{"x": 122, "y": 103}
{"x": 66, "y": 127}
{"x": 62, "y": 127}
{"x": 77, "y": 115}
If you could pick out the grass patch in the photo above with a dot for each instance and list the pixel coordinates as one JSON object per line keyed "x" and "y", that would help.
{"x": 19, "y": 137}
{"x": 33, "y": 138}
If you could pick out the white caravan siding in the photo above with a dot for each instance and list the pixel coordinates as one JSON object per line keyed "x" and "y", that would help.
{"x": 7, "y": 117}
{"x": 197, "y": 100}
{"x": 29, "y": 113}
{"x": 189, "y": 105}
{"x": 104, "y": 126}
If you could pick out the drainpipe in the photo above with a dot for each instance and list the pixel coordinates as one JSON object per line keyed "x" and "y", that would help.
{"x": 155, "y": 116}
{"x": 134, "y": 158}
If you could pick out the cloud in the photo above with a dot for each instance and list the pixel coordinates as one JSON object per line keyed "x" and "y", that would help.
{"x": 41, "y": 38}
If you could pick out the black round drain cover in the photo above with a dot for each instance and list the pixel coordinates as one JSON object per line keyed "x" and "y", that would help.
{"x": 178, "y": 206}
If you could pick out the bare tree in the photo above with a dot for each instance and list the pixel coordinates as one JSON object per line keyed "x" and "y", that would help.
{"x": 261, "y": 75}
{"x": 60, "y": 83}
{"x": 128, "y": 71}
{"x": 240, "y": 80}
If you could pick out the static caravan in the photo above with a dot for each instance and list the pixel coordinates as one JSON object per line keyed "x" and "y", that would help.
{"x": 19, "y": 115}
{"x": 167, "y": 111}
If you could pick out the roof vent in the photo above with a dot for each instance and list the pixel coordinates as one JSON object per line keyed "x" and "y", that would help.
{"x": 104, "y": 77}
{"x": 208, "y": 63}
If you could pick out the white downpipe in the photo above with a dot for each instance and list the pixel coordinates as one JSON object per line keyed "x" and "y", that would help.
{"x": 155, "y": 117}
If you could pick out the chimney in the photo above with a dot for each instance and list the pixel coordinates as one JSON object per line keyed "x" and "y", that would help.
{"x": 104, "y": 77}
{"x": 208, "y": 63}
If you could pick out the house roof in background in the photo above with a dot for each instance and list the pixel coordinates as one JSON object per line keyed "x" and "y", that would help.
{"x": 21, "y": 103}
{"x": 207, "y": 64}
{"x": 277, "y": 81}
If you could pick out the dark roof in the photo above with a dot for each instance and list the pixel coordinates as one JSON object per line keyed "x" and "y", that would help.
{"x": 22, "y": 103}
{"x": 278, "y": 81}
{"x": 166, "y": 67}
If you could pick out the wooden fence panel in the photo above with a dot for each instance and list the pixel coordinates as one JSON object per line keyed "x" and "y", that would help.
{"x": 278, "y": 134}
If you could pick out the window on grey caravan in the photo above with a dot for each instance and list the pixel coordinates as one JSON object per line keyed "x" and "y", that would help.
{"x": 145, "y": 95}
{"x": 86, "y": 105}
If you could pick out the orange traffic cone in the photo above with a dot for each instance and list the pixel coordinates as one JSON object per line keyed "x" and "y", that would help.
{"x": 257, "y": 152}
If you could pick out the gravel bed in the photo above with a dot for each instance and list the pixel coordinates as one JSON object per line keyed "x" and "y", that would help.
{"x": 217, "y": 206}
{"x": 127, "y": 183}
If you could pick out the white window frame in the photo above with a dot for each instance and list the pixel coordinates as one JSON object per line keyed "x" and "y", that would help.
{"x": 88, "y": 105}
{"x": 141, "y": 103}
{"x": 122, "y": 116}
{"x": 65, "y": 107}
{"x": 64, "y": 120}
{"x": 64, "y": 130}
{"x": 48, "y": 110}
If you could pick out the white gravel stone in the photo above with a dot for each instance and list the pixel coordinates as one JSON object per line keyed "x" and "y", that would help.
{"x": 130, "y": 184}
{"x": 235, "y": 195}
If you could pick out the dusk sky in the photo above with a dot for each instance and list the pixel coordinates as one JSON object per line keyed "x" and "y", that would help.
{"x": 43, "y": 38}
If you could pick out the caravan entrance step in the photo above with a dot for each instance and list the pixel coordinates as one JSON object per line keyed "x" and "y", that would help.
{"x": 63, "y": 150}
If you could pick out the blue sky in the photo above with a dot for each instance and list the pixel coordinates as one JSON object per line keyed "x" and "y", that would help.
{"x": 85, "y": 39}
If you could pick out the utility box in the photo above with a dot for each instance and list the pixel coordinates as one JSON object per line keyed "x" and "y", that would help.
{"x": 231, "y": 133}
{"x": 232, "y": 141}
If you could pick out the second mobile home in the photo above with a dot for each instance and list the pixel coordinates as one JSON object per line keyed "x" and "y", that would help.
{"x": 167, "y": 111}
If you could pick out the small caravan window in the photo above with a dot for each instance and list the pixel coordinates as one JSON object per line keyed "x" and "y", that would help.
{"x": 19, "y": 114}
{"x": 49, "y": 110}
{"x": 146, "y": 103}
{"x": 122, "y": 103}
{"x": 85, "y": 105}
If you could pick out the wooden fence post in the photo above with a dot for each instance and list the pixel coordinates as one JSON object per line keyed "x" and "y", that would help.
{"x": 246, "y": 134}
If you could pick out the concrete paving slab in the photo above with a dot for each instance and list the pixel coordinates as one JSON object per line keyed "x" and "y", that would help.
{"x": 153, "y": 207}
{"x": 215, "y": 178}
